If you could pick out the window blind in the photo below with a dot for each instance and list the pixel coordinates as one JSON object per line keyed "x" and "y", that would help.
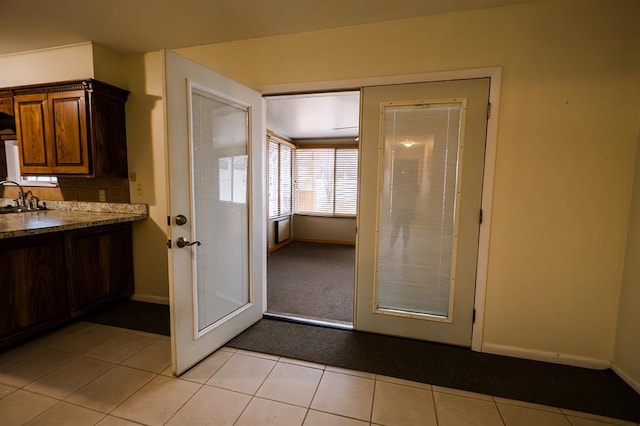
{"x": 280, "y": 179}
{"x": 285, "y": 179}
{"x": 273, "y": 178}
{"x": 326, "y": 181}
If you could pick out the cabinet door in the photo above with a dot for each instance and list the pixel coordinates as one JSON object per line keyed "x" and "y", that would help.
{"x": 6, "y": 105}
{"x": 32, "y": 118}
{"x": 99, "y": 266}
{"x": 32, "y": 285}
{"x": 69, "y": 137}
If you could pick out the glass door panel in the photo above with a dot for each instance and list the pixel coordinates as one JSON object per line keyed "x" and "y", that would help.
{"x": 219, "y": 173}
{"x": 420, "y": 159}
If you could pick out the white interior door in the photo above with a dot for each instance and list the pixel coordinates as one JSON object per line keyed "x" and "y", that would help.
{"x": 216, "y": 181}
{"x": 422, "y": 162}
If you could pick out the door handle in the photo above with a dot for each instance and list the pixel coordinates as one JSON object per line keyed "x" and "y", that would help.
{"x": 181, "y": 242}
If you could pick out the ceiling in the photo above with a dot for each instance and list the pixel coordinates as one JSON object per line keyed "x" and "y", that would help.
{"x": 148, "y": 25}
{"x": 314, "y": 116}
{"x": 132, "y": 26}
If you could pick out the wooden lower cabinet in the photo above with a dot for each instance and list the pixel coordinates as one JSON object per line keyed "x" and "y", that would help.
{"x": 99, "y": 266}
{"x": 48, "y": 279}
{"x": 32, "y": 286}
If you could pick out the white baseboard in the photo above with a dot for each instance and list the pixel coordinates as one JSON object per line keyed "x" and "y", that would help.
{"x": 556, "y": 358}
{"x": 150, "y": 298}
{"x": 627, "y": 378}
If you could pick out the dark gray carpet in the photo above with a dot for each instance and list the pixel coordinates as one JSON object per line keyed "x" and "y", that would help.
{"x": 141, "y": 316}
{"x": 312, "y": 280}
{"x": 599, "y": 392}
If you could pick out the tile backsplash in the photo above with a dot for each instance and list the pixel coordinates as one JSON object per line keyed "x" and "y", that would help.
{"x": 78, "y": 189}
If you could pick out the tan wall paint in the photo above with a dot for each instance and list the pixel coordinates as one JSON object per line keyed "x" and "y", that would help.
{"x": 627, "y": 349}
{"x": 48, "y": 65}
{"x": 108, "y": 66}
{"x": 565, "y": 153}
{"x": 324, "y": 229}
{"x": 147, "y": 167}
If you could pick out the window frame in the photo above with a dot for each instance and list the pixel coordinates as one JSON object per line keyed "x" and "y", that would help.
{"x": 12, "y": 155}
{"x": 335, "y": 148}
{"x": 278, "y": 190}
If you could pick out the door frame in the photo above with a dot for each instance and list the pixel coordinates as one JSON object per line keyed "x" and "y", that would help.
{"x": 495, "y": 76}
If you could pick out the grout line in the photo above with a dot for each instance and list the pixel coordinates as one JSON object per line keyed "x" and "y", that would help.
{"x": 187, "y": 401}
{"x": 217, "y": 369}
{"x": 315, "y": 392}
{"x": 435, "y": 407}
{"x": 134, "y": 393}
{"x": 340, "y": 415}
{"x": 373, "y": 401}
{"x": 495, "y": 404}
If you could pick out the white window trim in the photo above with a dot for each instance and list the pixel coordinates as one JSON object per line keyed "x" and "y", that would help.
{"x": 280, "y": 142}
{"x": 13, "y": 168}
{"x": 333, "y": 213}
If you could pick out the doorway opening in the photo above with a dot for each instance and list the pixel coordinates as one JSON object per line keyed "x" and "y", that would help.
{"x": 312, "y": 196}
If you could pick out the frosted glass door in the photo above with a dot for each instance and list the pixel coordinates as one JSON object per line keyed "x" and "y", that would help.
{"x": 421, "y": 159}
{"x": 421, "y": 171}
{"x": 217, "y": 210}
{"x": 219, "y": 164}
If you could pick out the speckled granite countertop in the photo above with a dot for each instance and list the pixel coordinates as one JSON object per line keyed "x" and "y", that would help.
{"x": 67, "y": 215}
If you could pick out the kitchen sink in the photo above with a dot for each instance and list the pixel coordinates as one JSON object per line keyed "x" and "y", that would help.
{"x": 12, "y": 209}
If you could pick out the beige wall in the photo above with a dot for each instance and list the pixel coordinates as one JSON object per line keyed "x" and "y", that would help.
{"x": 339, "y": 230}
{"x": 565, "y": 152}
{"x": 627, "y": 350}
{"x": 147, "y": 171}
{"x": 109, "y": 66}
{"x": 324, "y": 229}
{"x": 42, "y": 66}
{"x": 142, "y": 75}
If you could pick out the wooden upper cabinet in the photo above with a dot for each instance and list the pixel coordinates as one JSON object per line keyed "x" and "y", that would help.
{"x": 74, "y": 128}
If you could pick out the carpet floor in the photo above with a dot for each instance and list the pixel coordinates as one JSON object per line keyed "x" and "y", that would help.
{"x": 141, "y": 316}
{"x": 312, "y": 280}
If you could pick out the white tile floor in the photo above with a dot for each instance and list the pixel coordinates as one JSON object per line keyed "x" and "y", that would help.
{"x": 88, "y": 374}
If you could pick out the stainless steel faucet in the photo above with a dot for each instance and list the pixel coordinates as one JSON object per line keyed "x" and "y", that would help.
{"x": 31, "y": 201}
{"x": 21, "y": 201}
